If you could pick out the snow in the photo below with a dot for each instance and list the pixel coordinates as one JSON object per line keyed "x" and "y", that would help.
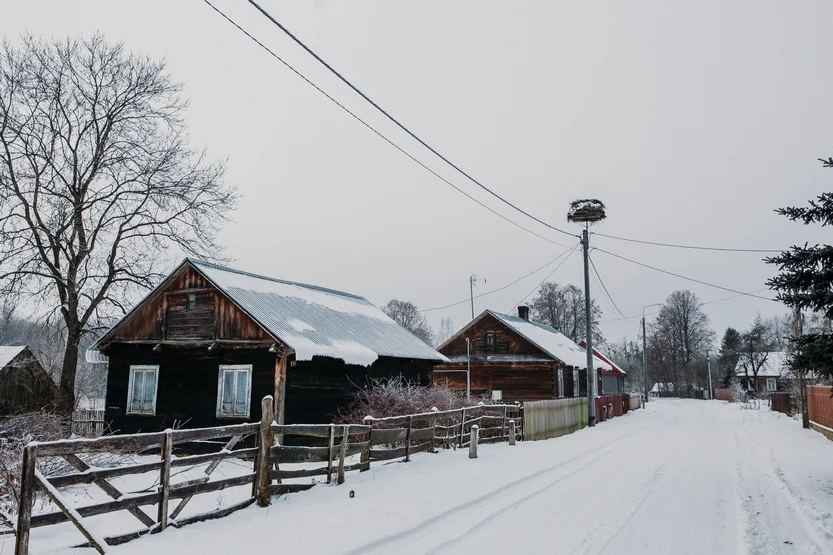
{"x": 351, "y": 352}
{"x": 553, "y": 342}
{"x": 300, "y": 325}
{"x": 681, "y": 477}
{"x": 7, "y": 353}
{"x": 775, "y": 365}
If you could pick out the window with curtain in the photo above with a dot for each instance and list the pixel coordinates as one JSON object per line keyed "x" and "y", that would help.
{"x": 141, "y": 391}
{"x": 234, "y": 391}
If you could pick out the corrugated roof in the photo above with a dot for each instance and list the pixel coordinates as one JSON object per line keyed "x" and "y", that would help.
{"x": 317, "y": 321}
{"x": 615, "y": 368}
{"x": 7, "y": 353}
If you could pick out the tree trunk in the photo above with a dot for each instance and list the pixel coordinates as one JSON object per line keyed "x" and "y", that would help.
{"x": 66, "y": 402}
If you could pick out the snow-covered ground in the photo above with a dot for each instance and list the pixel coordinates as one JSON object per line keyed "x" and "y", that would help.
{"x": 680, "y": 477}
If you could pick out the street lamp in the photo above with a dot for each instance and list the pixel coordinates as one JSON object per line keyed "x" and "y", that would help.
{"x": 645, "y": 352}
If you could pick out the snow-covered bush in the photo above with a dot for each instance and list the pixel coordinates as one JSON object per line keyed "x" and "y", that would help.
{"x": 399, "y": 397}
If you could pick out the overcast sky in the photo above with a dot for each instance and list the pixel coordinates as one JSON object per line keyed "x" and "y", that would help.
{"x": 691, "y": 120}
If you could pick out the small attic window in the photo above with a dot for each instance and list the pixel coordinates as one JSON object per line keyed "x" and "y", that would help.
{"x": 490, "y": 339}
{"x": 192, "y": 302}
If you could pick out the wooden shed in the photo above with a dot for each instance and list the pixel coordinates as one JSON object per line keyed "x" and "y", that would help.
{"x": 613, "y": 380}
{"x": 514, "y": 359}
{"x": 24, "y": 384}
{"x": 209, "y": 342}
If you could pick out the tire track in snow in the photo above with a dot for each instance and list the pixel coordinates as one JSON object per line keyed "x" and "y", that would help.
{"x": 515, "y": 492}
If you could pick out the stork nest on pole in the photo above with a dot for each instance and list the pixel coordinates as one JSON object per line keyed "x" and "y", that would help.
{"x": 589, "y": 210}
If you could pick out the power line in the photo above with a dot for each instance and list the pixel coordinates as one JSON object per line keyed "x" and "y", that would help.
{"x": 683, "y": 277}
{"x": 374, "y": 130}
{"x": 693, "y": 247}
{"x": 599, "y": 280}
{"x": 701, "y": 304}
{"x": 569, "y": 253}
{"x": 499, "y": 288}
{"x": 397, "y": 123}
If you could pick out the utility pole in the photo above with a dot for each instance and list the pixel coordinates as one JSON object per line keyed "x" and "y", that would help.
{"x": 472, "y": 282}
{"x": 709, "y": 366}
{"x": 591, "y": 385}
{"x": 802, "y": 376}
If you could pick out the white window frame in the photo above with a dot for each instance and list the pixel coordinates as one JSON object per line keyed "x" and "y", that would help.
{"x": 144, "y": 368}
{"x": 561, "y": 383}
{"x": 774, "y": 383}
{"x": 221, "y": 383}
{"x": 576, "y": 387}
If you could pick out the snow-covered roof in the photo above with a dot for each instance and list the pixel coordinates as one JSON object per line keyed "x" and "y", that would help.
{"x": 7, "y": 353}
{"x": 615, "y": 369}
{"x": 665, "y": 387}
{"x": 775, "y": 365}
{"x": 316, "y": 321}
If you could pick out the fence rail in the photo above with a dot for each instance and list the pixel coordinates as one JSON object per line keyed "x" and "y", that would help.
{"x": 88, "y": 422}
{"x": 382, "y": 439}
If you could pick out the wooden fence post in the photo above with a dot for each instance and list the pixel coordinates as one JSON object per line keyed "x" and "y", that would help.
{"x": 331, "y": 453}
{"x": 462, "y": 426}
{"x": 475, "y": 429}
{"x": 27, "y": 497}
{"x": 408, "y": 439}
{"x": 511, "y": 432}
{"x": 367, "y": 421}
{"x": 263, "y": 478}
{"x": 342, "y": 453}
{"x": 165, "y": 480}
{"x": 503, "y": 423}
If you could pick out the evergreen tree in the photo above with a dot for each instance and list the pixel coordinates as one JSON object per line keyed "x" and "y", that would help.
{"x": 728, "y": 355}
{"x": 805, "y": 281}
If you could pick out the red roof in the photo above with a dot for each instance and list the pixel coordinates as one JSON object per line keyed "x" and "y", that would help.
{"x": 617, "y": 370}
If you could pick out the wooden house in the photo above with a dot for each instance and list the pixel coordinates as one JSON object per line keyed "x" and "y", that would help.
{"x": 613, "y": 380}
{"x": 513, "y": 359}
{"x": 773, "y": 375}
{"x": 25, "y": 385}
{"x": 209, "y": 342}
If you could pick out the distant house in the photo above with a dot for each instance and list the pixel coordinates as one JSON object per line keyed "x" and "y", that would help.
{"x": 660, "y": 389}
{"x": 774, "y": 374}
{"x": 513, "y": 359}
{"x": 210, "y": 342}
{"x": 25, "y": 385}
{"x": 613, "y": 380}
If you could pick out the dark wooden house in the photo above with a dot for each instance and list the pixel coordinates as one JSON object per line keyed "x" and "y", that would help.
{"x": 25, "y": 385}
{"x": 513, "y": 359}
{"x": 774, "y": 373}
{"x": 209, "y": 342}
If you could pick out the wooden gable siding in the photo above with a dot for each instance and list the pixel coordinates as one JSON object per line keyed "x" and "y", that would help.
{"x": 507, "y": 340}
{"x": 162, "y": 315}
{"x": 518, "y": 381}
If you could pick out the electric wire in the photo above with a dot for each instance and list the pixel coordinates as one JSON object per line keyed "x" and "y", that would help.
{"x": 499, "y": 288}
{"x": 569, "y": 253}
{"x": 601, "y": 282}
{"x": 398, "y": 123}
{"x": 692, "y": 247}
{"x": 374, "y": 130}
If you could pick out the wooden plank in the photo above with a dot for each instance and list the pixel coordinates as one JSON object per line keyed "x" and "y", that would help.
{"x": 98, "y": 543}
{"x": 109, "y": 489}
{"x": 211, "y": 515}
{"x": 297, "y": 454}
{"x": 342, "y": 454}
{"x": 305, "y": 473}
{"x": 281, "y": 363}
{"x": 165, "y": 480}
{"x": 408, "y": 439}
{"x": 27, "y": 498}
{"x": 267, "y": 440}
{"x": 281, "y": 489}
{"x": 316, "y": 430}
{"x": 382, "y": 437}
{"x": 387, "y": 454}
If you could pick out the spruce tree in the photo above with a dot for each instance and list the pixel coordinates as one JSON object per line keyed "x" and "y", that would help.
{"x": 805, "y": 282}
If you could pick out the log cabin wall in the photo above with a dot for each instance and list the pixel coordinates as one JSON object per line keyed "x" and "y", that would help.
{"x": 517, "y": 381}
{"x": 187, "y": 307}
{"x": 506, "y": 340}
{"x": 187, "y": 387}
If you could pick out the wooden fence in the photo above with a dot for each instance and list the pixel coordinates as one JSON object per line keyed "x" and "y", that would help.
{"x": 554, "y": 418}
{"x": 820, "y": 408}
{"x": 635, "y": 401}
{"x": 782, "y": 402}
{"x": 608, "y": 406}
{"x": 88, "y": 423}
{"x": 381, "y": 439}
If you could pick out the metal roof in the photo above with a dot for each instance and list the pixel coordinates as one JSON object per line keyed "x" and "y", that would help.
{"x": 315, "y": 320}
{"x": 8, "y": 353}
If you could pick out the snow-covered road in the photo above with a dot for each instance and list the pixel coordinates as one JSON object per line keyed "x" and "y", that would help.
{"x": 681, "y": 477}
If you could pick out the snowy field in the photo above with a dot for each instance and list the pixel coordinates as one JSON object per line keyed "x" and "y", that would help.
{"x": 681, "y": 477}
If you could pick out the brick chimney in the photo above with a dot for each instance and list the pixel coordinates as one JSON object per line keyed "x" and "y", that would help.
{"x": 523, "y": 312}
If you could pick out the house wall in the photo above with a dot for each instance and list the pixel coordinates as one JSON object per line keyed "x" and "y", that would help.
{"x": 759, "y": 384}
{"x": 187, "y": 387}
{"x": 611, "y": 384}
{"x": 25, "y": 386}
{"x": 517, "y": 381}
{"x": 507, "y": 341}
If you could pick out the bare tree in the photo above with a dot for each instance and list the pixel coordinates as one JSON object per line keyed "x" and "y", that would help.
{"x": 446, "y": 330}
{"x": 407, "y": 315}
{"x": 562, "y": 307}
{"x": 678, "y": 340}
{"x": 97, "y": 181}
{"x": 755, "y": 349}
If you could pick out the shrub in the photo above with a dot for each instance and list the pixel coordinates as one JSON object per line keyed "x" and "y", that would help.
{"x": 399, "y": 397}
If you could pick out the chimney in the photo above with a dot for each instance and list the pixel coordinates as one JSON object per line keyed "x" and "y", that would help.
{"x": 523, "y": 312}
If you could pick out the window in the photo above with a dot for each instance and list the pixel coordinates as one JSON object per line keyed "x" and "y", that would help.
{"x": 141, "y": 390}
{"x": 490, "y": 339}
{"x": 497, "y": 395}
{"x": 234, "y": 391}
{"x": 192, "y": 302}
{"x": 771, "y": 384}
